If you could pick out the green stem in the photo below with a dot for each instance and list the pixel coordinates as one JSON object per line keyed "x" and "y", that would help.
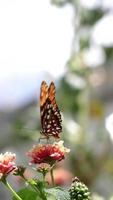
{"x": 11, "y": 189}
{"x": 41, "y": 195}
{"x": 44, "y": 174}
{"x": 52, "y": 177}
{"x": 32, "y": 186}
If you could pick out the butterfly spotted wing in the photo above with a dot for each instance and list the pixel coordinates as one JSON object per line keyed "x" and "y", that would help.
{"x": 50, "y": 113}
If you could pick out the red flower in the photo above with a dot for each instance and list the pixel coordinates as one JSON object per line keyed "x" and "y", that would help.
{"x": 49, "y": 153}
{"x": 6, "y": 164}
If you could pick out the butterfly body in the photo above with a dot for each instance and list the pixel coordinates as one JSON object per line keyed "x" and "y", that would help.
{"x": 49, "y": 111}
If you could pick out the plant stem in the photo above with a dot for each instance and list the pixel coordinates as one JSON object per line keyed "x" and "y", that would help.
{"x": 32, "y": 186}
{"x": 11, "y": 189}
{"x": 44, "y": 177}
{"x": 52, "y": 177}
{"x": 41, "y": 195}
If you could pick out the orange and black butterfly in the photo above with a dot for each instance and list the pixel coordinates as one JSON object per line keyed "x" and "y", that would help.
{"x": 49, "y": 111}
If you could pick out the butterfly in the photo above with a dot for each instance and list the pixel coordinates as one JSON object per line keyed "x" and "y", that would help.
{"x": 49, "y": 111}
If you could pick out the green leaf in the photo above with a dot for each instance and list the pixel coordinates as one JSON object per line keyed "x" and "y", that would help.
{"x": 57, "y": 193}
{"x": 27, "y": 194}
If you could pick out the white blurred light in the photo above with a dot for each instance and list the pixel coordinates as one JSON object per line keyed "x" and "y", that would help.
{"x": 94, "y": 56}
{"x": 107, "y": 4}
{"x": 91, "y": 4}
{"x": 102, "y": 33}
{"x": 35, "y": 34}
{"x": 75, "y": 81}
{"x": 73, "y": 129}
{"x": 35, "y": 38}
{"x": 109, "y": 125}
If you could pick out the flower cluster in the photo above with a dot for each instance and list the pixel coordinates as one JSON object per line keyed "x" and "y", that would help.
{"x": 6, "y": 164}
{"x": 48, "y": 153}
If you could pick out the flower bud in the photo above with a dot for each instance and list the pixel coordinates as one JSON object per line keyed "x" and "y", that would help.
{"x": 79, "y": 191}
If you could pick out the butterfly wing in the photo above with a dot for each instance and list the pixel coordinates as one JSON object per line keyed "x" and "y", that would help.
{"x": 43, "y": 99}
{"x": 51, "y": 94}
{"x": 50, "y": 114}
{"x": 43, "y": 93}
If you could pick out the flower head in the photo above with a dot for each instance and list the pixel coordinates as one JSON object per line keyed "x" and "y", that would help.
{"x": 48, "y": 153}
{"x": 6, "y": 164}
{"x": 43, "y": 168}
{"x": 19, "y": 171}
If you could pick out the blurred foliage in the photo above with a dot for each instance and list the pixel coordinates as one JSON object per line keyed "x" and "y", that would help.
{"x": 84, "y": 43}
{"x": 90, "y": 17}
{"x": 77, "y": 102}
{"x": 109, "y": 53}
{"x": 76, "y": 65}
{"x": 27, "y": 125}
{"x": 86, "y": 163}
{"x": 59, "y": 2}
{"x": 70, "y": 104}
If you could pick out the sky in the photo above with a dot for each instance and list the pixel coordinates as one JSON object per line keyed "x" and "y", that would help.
{"x": 36, "y": 39}
{"x": 32, "y": 32}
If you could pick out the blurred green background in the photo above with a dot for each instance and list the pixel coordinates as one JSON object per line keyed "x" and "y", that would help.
{"x": 83, "y": 92}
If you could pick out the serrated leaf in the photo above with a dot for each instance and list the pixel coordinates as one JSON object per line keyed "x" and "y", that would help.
{"x": 58, "y": 194}
{"x": 27, "y": 194}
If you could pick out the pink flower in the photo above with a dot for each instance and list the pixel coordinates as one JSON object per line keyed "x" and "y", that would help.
{"x": 61, "y": 177}
{"x": 6, "y": 164}
{"x": 48, "y": 153}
